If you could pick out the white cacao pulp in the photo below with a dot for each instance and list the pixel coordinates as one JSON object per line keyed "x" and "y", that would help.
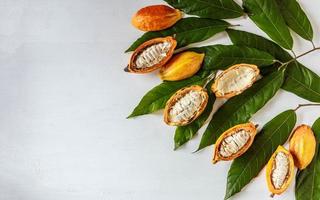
{"x": 236, "y": 80}
{"x": 233, "y": 143}
{"x": 186, "y": 107}
{"x": 152, "y": 55}
{"x": 280, "y": 170}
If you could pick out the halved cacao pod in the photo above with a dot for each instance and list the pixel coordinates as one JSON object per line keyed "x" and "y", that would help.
{"x": 185, "y": 105}
{"x": 235, "y": 80}
{"x": 182, "y": 66}
{"x": 155, "y": 18}
{"x": 234, "y": 142}
{"x": 152, "y": 55}
{"x": 302, "y": 146}
{"x": 279, "y": 171}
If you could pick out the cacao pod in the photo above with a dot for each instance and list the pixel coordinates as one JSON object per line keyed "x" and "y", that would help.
{"x": 235, "y": 80}
{"x": 234, "y": 142}
{"x": 302, "y": 146}
{"x": 151, "y": 55}
{"x": 279, "y": 171}
{"x": 185, "y": 105}
{"x": 155, "y": 18}
{"x": 181, "y": 66}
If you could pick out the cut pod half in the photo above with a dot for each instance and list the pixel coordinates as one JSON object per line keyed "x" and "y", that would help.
{"x": 185, "y": 106}
{"x": 152, "y": 55}
{"x": 234, "y": 142}
{"x": 235, "y": 80}
{"x": 279, "y": 171}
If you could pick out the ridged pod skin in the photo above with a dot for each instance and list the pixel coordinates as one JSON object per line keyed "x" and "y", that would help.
{"x": 132, "y": 67}
{"x": 248, "y": 128}
{"x": 302, "y": 146}
{"x": 270, "y": 169}
{"x": 233, "y": 76}
{"x": 175, "y": 105}
{"x": 182, "y": 66}
{"x": 155, "y": 18}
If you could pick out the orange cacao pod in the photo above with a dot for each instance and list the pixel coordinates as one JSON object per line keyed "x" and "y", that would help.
{"x": 155, "y": 18}
{"x": 152, "y": 55}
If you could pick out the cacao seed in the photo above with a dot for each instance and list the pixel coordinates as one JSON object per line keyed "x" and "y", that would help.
{"x": 234, "y": 142}
{"x": 185, "y": 105}
{"x": 302, "y": 146}
{"x": 235, "y": 80}
{"x": 279, "y": 171}
{"x": 155, "y": 18}
{"x": 181, "y": 66}
{"x": 152, "y": 55}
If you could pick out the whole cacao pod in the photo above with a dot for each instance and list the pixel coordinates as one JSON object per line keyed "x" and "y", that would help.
{"x": 181, "y": 66}
{"x": 302, "y": 146}
{"x": 155, "y": 18}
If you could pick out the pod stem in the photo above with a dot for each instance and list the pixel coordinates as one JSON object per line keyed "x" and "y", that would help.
{"x": 305, "y": 105}
{"x": 210, "y": 78}
{"x": 285, "y": 64}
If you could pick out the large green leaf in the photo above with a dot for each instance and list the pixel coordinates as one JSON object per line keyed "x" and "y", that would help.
{"x": 302, "y": 81}
{"x": 240, "y": 109}
{"x": 186, "y": 31}
{"x": 298, "y": 79}
{"x": 185, "y": 133}
{"x": 243, "y": 38}
{"x": 222, "y": 56}
{"x": 308, "y": 180}
{"x": 157, "y": 97}
{"x": 295, "y": 18}
{"x": 214, "y": 9}
{"x": 267, "y": 16}
{"x": 248, "y": 166}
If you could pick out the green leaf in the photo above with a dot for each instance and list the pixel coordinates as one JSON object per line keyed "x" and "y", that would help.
{"x": 308, "y": 180}
{"x": 187, "y": 31}
{"x": 185, "y": 133}
{"x": 267, "y": 16}
{"x": 243, "y": 38}
{"x": 248, "y": 166}
{"x": 214, "y": 9}
{"x": 296, "y": 18}
{"x": 240, "y": 109}
{"x": 157, "y": 97}
{"x": 302, "y": 81}
{"x": 298, "y": 79}
{"x": 222, "y": 56}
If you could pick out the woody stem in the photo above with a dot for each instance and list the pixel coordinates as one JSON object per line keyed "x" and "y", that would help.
{"x": 305, "y": 105}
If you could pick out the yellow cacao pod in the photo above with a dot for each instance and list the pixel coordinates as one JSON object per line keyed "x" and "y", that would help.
{"x": 234, "y": 142}
{"x": 235, "y": 80}
{"x": 279, "y": 171}
{"x": 155, "y": 18}
{"x": 185, "y": 105}
{"x": 182, "y": 66}
{"x": 302, "y": 146}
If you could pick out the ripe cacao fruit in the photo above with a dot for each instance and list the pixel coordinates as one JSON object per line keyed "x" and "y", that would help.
{"x": 234, "y": 142}
{"x": 151, "y": 55}
{"x": 155, "y": 18}
{"x": 181, "y": 66}
{"x": 302, "y": 146}
{"x": 235, "y": 80}
{"x": 185, "y": 105}
{"x": 279, "y": 171}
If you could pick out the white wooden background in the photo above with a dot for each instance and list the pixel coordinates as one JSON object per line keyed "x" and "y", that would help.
{"x": 64, "y": 99}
